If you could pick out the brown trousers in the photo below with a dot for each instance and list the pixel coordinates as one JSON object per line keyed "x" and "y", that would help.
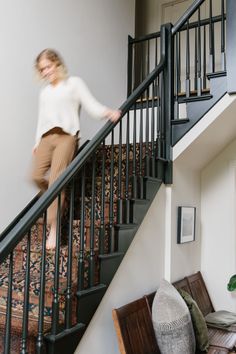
{"x": 54, "y": 153}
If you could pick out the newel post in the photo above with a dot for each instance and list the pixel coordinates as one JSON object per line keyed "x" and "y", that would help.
{"x": 168, "y": 100}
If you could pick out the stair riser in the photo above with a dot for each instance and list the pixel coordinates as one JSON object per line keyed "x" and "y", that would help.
{"x": 65, "y": 342}
{"x": 88, "y": 303}
{"x": 125, "y": 238}
{"x": 108, "y": 267}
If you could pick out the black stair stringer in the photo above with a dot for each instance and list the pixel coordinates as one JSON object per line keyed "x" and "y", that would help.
{"x": 196, "y": 110}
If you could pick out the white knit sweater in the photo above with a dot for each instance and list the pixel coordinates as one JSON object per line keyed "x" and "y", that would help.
{"x": 59, "y": 106}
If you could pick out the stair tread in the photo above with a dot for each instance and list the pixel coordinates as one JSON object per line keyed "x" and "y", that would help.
{"x": 126, "y": 226}
{"x": 179, "y": 121}
{"x": 139, "y": 201}
{"x": 195, "y": 98}
{"x": 193, "y": 92}
{"x": 110, "y": 255}
{"x": 216, "y": 74}
{"x": 91, "y": 290}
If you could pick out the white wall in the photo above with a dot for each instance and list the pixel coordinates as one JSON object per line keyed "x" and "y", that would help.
{"x": 186, "y": 191}
{"x": 218, "y": 204}
{"x": 92, "y": 37}
{"x": 139, "y": 274}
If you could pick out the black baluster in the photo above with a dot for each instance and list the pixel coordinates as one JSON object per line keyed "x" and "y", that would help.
{"x": 111, "y": 198}
{"x": 68, "y": 305}
{"x": 127, "y": 202}
{"x": 180, "y": 63}
{"x": 130, "y": 66}
{"x": 195, "y": 60}
{"x": 187, "y": 84}
{"x": 7, "y": 337}
{"x": 92, "y": 226}
{"x": 177, "y": 78}
{"x": 204, "y": 58}
{"x": 82, "y": 238}
{"x": 199, "y": 56}
{"x": 158, "y": 122}
{"x": 152, "y": 133}
{"x": 141, "y": 191}
{"x": 103, "y": 190}
{"x": 147, "y": 160}
{"x": 223, "y": 58}
{"x": 162, "y": 115}
{"x": 55, "y": 303}
{"x": 142, "y": 74}
{"x": 211, "y": 41}
{"x": 120, "y": 196}
{"x": 134, "y": 174}
{"x": 156, "y": 48}
{"x": 39, "y": 342}
{"x": 148, "y": 57}
{"x": 26, "y": 299}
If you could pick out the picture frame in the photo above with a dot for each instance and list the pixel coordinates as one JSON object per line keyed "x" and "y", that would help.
{"x": 186, "y": 224}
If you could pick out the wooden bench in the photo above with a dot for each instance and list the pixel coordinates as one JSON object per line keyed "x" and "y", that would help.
{"x": 135, "y": 332}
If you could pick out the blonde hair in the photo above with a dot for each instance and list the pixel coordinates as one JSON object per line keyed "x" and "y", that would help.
{"x": 54, "y": 57}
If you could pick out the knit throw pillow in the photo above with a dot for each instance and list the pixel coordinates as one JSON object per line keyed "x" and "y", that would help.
{"x": 198, "y": 320}
{"x": 172, "y": 322}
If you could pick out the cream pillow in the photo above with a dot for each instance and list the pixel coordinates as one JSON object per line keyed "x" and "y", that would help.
{"x": 172, "y": 321}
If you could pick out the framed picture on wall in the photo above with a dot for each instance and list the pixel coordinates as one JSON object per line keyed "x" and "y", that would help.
{"x": 186, "y": 224}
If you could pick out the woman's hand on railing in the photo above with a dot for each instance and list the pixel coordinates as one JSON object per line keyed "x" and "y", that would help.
{"x": 112, "y": 115}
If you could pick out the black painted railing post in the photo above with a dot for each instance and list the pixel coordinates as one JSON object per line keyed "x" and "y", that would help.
{"x": 7, "y": 337}
{"x": 127, "y": 164}
{"x": 26, "y": 299}
{"x": 130, "y": 66}
{"x": 177, "y": 73}
{"x": 168, "y": 99}
{"x": 68, "y": 294}
{"x": 231, "y": 45}
{"x": 153, "y": 158}
{"x": 81, "y": 260}
{"x": 223, "y": 57}
{"x": 111, "y": 198}
{"x": 120, "y": 199}
{"x": 204, "y": 59}
{"x": 134, "y": 172}
{"x": 92, "y": 226}
{"x": 141, "y": 192}
{"x": 187, "y": 87}
{"x": 211, "y": 40}
{"x": 39, "y": 341}
{"x": 103, "y": 191}
{"x": 55, "y": 302}
{"x": 199, "y": 56}
{"x": 147, "y": 158}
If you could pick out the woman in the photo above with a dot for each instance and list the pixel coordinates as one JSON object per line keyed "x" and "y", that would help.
{"x": 58, "y": 124}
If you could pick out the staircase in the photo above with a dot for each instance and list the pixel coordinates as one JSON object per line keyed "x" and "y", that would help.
{"x": 47, "y": 298}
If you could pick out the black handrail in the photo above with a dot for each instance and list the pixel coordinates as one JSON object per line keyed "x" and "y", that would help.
{"x": 145, "y": 37}
{"x": 188, "y": 13}
{"x": 20, "y": 229}
{"x": 191, "y": 25}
